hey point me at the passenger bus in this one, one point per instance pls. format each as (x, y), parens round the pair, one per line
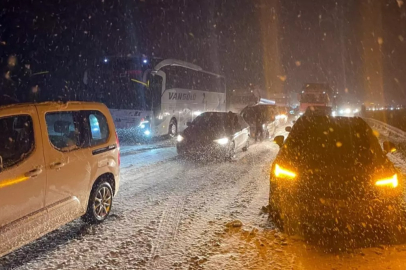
(154, 99)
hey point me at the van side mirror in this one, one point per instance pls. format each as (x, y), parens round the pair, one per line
(188, 124)
(388, 147)
(288, 129)
(279, 140)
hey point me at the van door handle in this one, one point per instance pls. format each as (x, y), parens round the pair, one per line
(33, 173)
(57, 165)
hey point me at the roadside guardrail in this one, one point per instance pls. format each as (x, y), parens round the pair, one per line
(387, 130)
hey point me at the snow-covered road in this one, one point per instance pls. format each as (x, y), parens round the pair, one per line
(173, 214)
(166, 215)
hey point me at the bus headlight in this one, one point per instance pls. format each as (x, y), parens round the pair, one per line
(222, 141)
(142, 124)
(147, 132)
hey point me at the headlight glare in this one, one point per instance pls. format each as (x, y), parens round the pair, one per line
(179, 138)
(222, 141)
(283, 173)
(388, 182)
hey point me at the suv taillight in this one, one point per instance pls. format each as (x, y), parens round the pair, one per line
(118, 147)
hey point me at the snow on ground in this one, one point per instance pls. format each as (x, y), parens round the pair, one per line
(258, 245)
(175, 214)
(164, 217)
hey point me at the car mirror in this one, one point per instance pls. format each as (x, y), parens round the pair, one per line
(188, 124)
(288, 129)
(1, 163)
(279, 140)
(389, 147)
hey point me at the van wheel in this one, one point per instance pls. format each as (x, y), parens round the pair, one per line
(173, 128)
(100, 202)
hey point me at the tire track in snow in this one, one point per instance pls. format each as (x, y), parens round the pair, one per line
(167, 231)
(187, 203)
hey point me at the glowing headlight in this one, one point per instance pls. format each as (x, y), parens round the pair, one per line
(283, 173)
(280, 116)
(147, 132)
(334, 113)
(222, 141)
(390, 182)
(179, 138)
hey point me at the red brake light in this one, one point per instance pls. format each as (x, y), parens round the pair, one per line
(118, 147)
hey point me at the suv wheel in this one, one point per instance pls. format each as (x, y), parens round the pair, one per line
(275, 215)
(231, 151)
(173, 128)
(100, 203)
(245, 148)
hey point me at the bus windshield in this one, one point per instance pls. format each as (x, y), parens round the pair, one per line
(118, 83)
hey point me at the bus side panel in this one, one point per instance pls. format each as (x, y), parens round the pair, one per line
(127, 119)
(184, 105)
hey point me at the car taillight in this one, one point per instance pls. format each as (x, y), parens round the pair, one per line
(118, 148)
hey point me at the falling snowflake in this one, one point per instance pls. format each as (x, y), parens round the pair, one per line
(282, 77)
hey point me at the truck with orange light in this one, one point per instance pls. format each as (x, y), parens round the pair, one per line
(314, 95)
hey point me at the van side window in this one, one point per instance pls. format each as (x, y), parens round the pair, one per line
(16, 140)
(63, 130)
(99, 128)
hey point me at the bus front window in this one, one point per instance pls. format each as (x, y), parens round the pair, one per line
(153, 93)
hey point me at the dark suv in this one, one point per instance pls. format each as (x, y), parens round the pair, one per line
(331, 171)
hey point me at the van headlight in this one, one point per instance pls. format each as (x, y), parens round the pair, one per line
(222, 141)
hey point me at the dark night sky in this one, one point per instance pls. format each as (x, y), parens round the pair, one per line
(224, 36)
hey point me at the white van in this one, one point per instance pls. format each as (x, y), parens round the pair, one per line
(58, 162)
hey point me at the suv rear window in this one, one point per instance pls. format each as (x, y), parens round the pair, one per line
(99, 129)
(322, 140)
(71, 130)
(64, 130)
(16, 139)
